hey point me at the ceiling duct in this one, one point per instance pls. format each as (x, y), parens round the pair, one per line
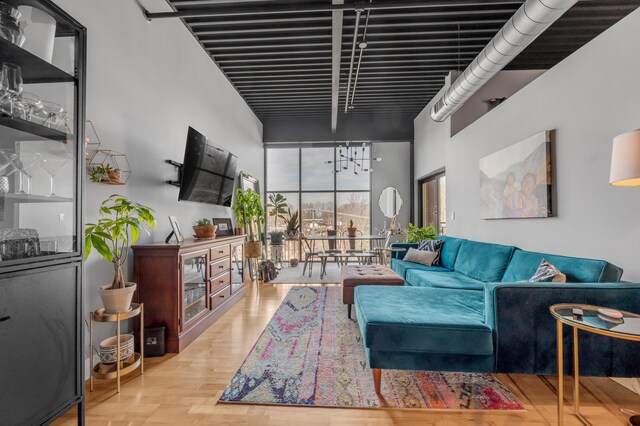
(531, 20)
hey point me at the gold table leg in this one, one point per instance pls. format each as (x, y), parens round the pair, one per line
(560, 376)
(118, 355)
(576, 374)
(91, 353)
(141, 338)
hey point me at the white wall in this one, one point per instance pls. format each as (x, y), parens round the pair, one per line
(146, 83)
(589, 98)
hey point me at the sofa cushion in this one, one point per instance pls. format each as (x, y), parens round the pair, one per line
(423, 257)
(484, 261)
(454, 280)
(525, 263)
(547, 273)
(402, 266)
(449, 250)
(423, 319)
(431, 245)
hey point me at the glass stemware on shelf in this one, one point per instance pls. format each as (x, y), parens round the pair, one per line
(53, 114)
(53, 166)
(28, 105)
(27, 164)
(10, 86)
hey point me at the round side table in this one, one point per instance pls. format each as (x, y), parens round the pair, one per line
(587, 318)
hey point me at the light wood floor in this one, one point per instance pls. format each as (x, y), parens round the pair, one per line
(183, 389)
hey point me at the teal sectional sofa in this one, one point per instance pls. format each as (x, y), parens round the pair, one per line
(475, 312)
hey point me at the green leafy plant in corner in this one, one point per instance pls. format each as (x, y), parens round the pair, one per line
(415, 234)
(204, 222)
(278, 207)
(247, 206)
(118, 227)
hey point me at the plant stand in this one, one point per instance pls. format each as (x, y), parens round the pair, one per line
(121, 367)
(276, 254)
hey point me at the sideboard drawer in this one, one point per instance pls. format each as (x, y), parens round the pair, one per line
(220, 297)
(220, 281)
(219, 266)
(219, 252)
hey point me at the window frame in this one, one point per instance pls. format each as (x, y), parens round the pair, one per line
(335, 191)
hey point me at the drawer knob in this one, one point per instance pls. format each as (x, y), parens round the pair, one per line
(5, 318)
(221, 251)
(220, 266)
(221, 281)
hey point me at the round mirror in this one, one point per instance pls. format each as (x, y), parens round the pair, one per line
(390, 202)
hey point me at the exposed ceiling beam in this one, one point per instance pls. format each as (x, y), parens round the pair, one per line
(337, 17)
(251, 8)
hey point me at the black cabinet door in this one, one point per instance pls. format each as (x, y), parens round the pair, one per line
(40, 350)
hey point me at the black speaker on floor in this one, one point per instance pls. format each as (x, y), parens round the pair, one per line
(154, 341)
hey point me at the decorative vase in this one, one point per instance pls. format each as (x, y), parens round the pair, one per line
(115, 176)
(4, 184)
(332, 243)
(119, 299)
(205, 231)
(253, 249)
(239, 231)
(351, 233)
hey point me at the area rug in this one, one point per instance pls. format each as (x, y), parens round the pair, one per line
(293, 275)
(311, 354)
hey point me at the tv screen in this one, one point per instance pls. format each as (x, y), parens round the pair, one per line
(208, 171)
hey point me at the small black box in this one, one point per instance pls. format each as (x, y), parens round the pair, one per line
(154, 341)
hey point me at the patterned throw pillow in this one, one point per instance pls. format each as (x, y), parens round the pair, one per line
(432, 245)
(423, 257)
(548, 273)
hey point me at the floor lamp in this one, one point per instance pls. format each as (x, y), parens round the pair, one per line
(625, 171)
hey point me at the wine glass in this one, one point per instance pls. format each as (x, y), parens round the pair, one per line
(53, 112)
(53, 166)
(27, 163)
(10, 83)
(28, 104)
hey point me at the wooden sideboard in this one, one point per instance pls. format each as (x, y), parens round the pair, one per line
(186, 287)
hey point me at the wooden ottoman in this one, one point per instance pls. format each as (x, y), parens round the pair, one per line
(355, 275)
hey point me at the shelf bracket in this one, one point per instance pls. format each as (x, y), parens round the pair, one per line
(179, 166)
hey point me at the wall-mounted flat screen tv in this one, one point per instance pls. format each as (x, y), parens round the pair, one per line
(208, 171)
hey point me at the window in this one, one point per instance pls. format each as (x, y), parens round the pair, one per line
(433, 202)
(325, 200)
(282, 173)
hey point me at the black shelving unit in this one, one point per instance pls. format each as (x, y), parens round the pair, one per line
(41, 309)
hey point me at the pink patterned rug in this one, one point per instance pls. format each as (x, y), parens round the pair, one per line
(312, 354)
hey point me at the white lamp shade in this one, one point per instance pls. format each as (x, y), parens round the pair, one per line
(625, 159)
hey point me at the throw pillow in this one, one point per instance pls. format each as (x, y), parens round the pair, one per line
(548, 273)
(423, 257)
(432, 245)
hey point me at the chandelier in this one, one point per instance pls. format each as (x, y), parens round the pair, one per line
(354, 158)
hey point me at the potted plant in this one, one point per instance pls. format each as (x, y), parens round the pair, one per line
(292, 224)
(276, 237)
(118, 227)
(277, 208)
(204, 228)
(247, 206)
(351, 233)
(415, 234)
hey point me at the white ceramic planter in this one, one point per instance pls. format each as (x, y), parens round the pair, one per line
(118, 300)
(39, 31)
(108, 351)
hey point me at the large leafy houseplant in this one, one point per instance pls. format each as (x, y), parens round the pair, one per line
(415, 234)
(247, 206)
(118, 227)
(277, 208)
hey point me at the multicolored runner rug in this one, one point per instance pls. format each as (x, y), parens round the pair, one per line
(312, 354)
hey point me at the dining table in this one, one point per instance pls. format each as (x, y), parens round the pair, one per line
(311, 240)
